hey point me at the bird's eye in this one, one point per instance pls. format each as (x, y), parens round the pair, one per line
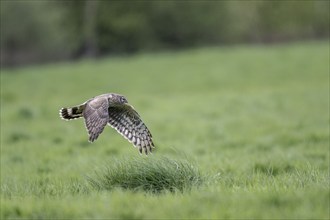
(123, 99)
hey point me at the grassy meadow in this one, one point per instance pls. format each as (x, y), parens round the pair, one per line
(240, 132)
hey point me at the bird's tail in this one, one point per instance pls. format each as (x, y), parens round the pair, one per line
(72, 113)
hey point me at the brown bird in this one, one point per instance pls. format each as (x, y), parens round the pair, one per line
(112, 109)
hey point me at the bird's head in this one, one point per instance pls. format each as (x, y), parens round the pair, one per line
(117, 99)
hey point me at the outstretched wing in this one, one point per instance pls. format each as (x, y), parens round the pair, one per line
(129, 124)
(96, 116)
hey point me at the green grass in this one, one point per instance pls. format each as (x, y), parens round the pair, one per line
(248, 127)
(150, 175)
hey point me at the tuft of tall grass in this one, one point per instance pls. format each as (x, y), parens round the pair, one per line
(149, 174)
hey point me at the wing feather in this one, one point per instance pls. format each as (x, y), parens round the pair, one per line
(96, 117)
(128, 123)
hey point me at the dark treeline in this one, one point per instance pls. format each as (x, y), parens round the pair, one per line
(38, 31)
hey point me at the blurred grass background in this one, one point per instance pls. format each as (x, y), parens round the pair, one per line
(238, 90)
(254, 119)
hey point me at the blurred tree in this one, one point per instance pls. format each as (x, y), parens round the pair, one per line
(90, 32)
(31, 31)
(37, 31)
(184, 24)
(124, 27)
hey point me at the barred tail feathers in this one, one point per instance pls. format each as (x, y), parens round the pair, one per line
(72, 113)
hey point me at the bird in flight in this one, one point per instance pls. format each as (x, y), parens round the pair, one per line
(114, 110)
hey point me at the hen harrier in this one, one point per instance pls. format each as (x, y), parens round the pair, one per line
(112, 109)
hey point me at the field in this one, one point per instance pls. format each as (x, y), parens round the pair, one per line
(240, 132)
